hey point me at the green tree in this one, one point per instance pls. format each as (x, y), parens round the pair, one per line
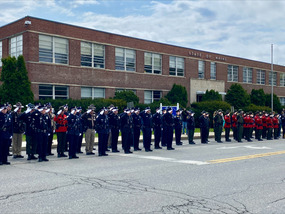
(257, 97)
(277, 107)
(237, 96)
(178, 94)
(16, 85)
(212, 95)
(127, 95)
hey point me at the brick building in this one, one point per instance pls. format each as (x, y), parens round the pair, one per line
(66, 61)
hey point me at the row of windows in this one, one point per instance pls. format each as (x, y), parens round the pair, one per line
(282, 101)
(62, 92)
(0, 53)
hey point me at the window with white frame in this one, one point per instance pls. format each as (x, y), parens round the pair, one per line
(16, 46)
(151, 96)
(213, 71)
(232, 73)
(122, 89)
(125, 59)
(282, 79)
(260, 77)
(53, 92)
(0, 53)
(282, 100)
(201, 69)
(92, 55)
(152, 63)
(247, 75)
(53, 49)
(92, 92)
(176, 66)
(273, 78)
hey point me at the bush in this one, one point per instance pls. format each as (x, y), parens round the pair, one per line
(253, 108)
(127, 95)
(237, 96)
(178, 94)
(212, 95)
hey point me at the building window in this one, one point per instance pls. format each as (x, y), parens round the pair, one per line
(232, 73)
(122, 89)
(125, 59)
(260, 78)
(53, 92)
(201, 69)
(53, 49)
(0, 53)
(152, 63)
(151, 96)
(282, 79)
(274, 78)
(176, 66)
(16, 46)
(92, 55)
(213, 71)
(282, 100)
(89, 92)
(247, 75)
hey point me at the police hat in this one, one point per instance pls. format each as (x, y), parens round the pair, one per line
(42, 107)
(91, 107)
(169, 109)
(147, 109)
(30, 105)
(203, 112)
(227, 112)
(2, 107)
(18, 105)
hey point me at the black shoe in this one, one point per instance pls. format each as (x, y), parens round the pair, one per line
(94, 148)
(105, 154)
(29, 157)
(45, 159)
(80, 152)
(107, 150)
(40, 160)
(20, 156)
(75, 157)
(34, 157)
(179, 144)
(240, 141)
(170, 149)
(9, 154)
(50, 154)
(115, 151)
(260, 140)
(90, 153)
(70, 157)
(148, 150)
(158, 147)
(228, 141)
(192, 143)
(15, 156)
(6, 163)
(249, 140)
(220, 141)
(1, 163)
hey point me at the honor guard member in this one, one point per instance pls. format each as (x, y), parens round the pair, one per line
(163, 134)
(67, 113)
(40, 127)
(6, 132)
(203, 127)
(168, 119)
(227, 126)
(283, 122)
(256, 116)
(114, 123)
(61, 129)
(264, 130)
(234, 124)
(81, 130)
(191, 127)
(9, 114)
(51, 122)
(18, 130)
(126, 129)
(102, 124)
(178, 127)
(110, 114)
(275, 126)
(251, 124)
(89, 119)
(269, 126)
(73, 132)
(246, 127)
(258, 126)
(31, 143)
(218, 119)
(137, 123)
(157, 125)
(207, 126)
(146, 127)
(239, 126)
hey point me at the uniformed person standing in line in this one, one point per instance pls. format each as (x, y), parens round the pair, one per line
(207, 126)
(276, 125)
(89, 119)
(239, 126)
(283, 122)
(258, 126)
(146, 127)
(9, 114)
(163, 133)
(227, 126)
(73, 133)
(18, 130)
(51, 116)
(234, 124)
(219, 125)
(157, 124)
(61, 129)
(264, 130)
(137, 123)
(269, 126)
(6, 132)
(168, 119)
(114, 122)
(110, 115)
(102, 124)
(126, 130)
(178, 127)
(81, 130)
(190, 126)
(203, 127)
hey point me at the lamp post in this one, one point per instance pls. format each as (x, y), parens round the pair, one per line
(272, 77)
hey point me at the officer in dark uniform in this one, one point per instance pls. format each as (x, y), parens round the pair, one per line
(146, 127)
(102, 123)
(114, 122)
(239, 126)
(190, 126)
(178, 127)
(203, 127)
(168, 119)
(137, 123)
(6, 132)
(163, 134)
(40, 127)
(81, 129)
(157, 125)
(73, 133)
(126, 129)
(218, 123)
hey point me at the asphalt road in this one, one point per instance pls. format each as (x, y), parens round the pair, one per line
(214, 178)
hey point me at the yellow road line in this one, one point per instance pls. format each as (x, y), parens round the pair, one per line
(246, 157)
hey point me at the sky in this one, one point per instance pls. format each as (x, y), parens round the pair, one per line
(240, 28)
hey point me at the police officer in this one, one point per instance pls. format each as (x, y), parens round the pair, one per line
(51, 124)
(146, 127)
(239, 126)
(178, 127)
(102, 123)
(157, 125)
(73, 133)
(203, 127)
(89, 119)
(114, 122)
(163, 133)
(137, 123)
(168, 119)
(190, 126)
(81, 129)
(218, 119)
(126, 130)
(6, 133)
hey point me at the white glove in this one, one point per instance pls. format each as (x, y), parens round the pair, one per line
(48, 134)
(28, 110)
(80, 134)
(72, 112)
(89, 111)
(59, 112)
(16, 109)
(11, 137)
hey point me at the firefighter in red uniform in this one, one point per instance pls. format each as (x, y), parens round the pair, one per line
(246, 127)
(234, 124)
(269, 126)
(61, 129)
(251, 124)
(276, 126)
(227, 126)
(257, 116)
(258, 127)
(264, 130)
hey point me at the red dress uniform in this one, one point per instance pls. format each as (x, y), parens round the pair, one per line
(61, 123)
(269, 122)
(259, 127)
(61, 129)
(276, 127)
(234, 120)
(227, 121)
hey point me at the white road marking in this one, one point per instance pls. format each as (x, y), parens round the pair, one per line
(248, 147)
(172, 160)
